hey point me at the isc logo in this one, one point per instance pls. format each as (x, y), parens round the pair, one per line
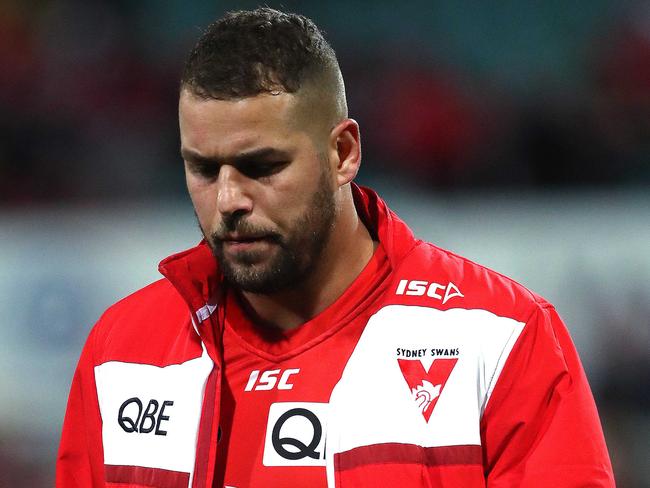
(431, 289)
(269, 379)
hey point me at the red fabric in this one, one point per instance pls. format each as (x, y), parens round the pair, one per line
(411, 475)
(207, 429)
(138, 475)
(407, 454)
(540, 427)
(409, 465)
(80, 462)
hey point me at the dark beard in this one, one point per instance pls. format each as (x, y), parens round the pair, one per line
(297, 254)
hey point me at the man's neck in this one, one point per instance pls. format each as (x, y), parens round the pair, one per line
(350, 248)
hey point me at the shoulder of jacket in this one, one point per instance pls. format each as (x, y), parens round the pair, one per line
(157, 309)
(147, 300)
(439, 278)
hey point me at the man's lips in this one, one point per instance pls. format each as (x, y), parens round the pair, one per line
(244, 238)
(246, 243)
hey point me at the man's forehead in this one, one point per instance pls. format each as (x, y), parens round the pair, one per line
(265, 107)
(242, 122)
(212, 126)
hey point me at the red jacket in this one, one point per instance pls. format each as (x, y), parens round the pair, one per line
(461, 377)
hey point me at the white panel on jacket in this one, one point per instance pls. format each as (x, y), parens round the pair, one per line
(150, 414)
(420, 376)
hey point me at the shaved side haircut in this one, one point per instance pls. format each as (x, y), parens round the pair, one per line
(248, 53)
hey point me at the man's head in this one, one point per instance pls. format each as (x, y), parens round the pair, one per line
(268, 148)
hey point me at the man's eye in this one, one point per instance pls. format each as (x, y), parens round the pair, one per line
(260, 170)
(204, 170)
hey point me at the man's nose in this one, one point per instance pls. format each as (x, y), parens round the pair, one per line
(232, 192)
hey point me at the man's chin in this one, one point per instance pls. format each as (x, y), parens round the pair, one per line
(260, 271)
(255, 277)
(263, 279)
(254, 284)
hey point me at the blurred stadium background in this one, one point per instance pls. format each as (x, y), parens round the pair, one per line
(516, 133)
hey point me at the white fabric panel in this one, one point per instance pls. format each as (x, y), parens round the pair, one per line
(183, 384)
(372, 402)
(307, 428)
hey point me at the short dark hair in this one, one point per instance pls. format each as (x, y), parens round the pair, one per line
(246, 53)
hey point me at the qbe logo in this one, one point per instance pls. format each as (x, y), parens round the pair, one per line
(295, 434)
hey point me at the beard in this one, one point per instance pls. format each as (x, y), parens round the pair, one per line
(287, 259)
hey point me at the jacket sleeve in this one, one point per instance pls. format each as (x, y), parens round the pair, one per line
(540, 427)
(80, 460)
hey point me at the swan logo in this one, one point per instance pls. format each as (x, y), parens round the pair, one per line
(426, 385)
(424, 394)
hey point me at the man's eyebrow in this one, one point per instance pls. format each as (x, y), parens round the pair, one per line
(264, 153)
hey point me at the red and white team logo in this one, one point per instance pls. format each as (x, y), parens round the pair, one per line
(426, 385)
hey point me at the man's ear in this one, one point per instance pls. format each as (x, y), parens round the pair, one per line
(345, 150)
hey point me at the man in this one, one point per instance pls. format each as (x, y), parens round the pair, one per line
(310, 339)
